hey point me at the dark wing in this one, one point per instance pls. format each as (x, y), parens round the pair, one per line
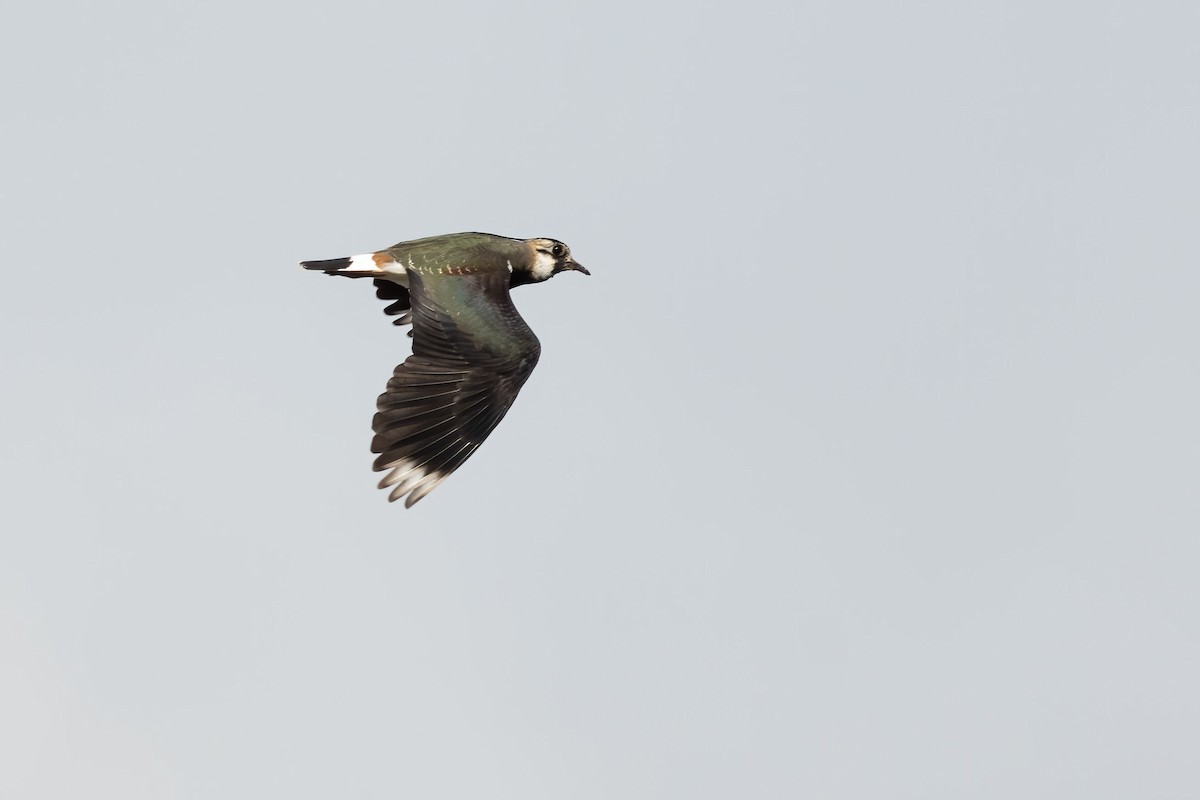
(472, 352)
(390, 290)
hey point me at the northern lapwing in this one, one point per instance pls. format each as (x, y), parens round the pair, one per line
(471, 351)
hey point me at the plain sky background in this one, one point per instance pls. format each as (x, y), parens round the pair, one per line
(866, 464)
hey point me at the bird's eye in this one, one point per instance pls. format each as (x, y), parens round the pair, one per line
(557, 250)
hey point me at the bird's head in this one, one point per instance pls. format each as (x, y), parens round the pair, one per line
(551, 257)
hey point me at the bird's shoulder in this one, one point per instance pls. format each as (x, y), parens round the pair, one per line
(475, 312)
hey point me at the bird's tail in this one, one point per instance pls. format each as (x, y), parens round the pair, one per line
(367, 265)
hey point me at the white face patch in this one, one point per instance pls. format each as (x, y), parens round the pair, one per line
(543, 265)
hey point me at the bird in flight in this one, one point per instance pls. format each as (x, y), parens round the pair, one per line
(471, 352)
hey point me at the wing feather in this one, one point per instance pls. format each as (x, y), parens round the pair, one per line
(472, 353)
(390, 290)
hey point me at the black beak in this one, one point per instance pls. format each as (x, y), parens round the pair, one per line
(575, 265)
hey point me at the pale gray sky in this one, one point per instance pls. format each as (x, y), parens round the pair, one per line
(864, 466)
